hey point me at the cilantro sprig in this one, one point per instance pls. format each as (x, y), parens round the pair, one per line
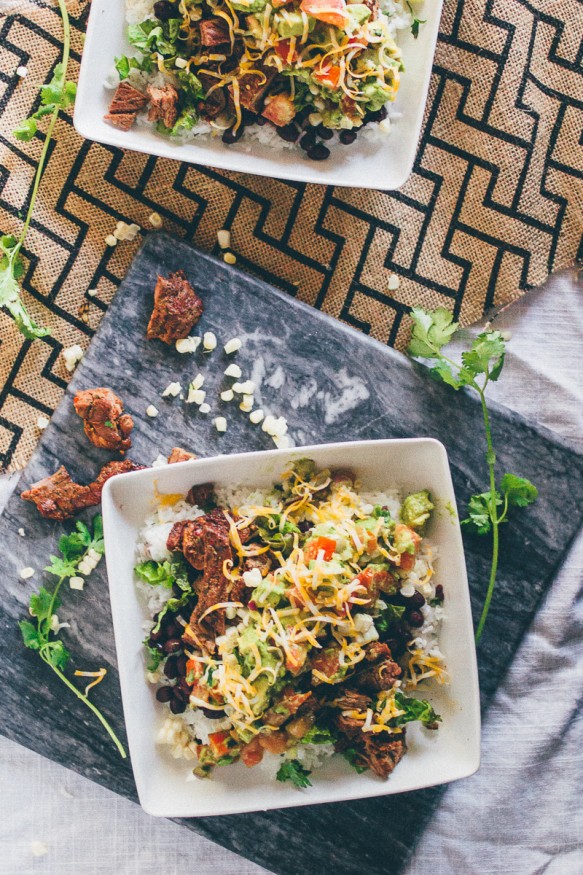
(293, 771)
(481, 364)
(41, 633)
(416, 23)
(58, 94)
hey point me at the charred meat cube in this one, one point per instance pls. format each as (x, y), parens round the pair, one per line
(125, 105)
(58, 497)
(280, 110)
(214, 32)
(104, 422)
(163, 104)
(253, 87)
(177, 308)
(203, 495)
(177, 454)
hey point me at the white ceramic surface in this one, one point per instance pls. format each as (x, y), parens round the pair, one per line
(384, 165)
(433, 757)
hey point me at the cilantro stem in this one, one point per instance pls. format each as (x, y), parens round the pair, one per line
(491, 460)
(90, 705)
(49, 133)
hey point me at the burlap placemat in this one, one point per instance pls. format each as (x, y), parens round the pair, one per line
(492, 207)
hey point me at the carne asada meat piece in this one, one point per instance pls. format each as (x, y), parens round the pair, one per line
(214, 32)
(177, 454)
(382, 752)
(125, 105)
(177, 308)
(352, 700)
(381, 672)
(163, 102)
(280, 110)
(58, 497)
(253, 86)
(202, 495)
(104, 422)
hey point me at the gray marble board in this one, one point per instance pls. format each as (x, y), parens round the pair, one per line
(332, 383)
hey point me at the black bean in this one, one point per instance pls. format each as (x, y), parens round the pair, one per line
(232, 136)
(324, 133)
(249, 118)
(181, 665)
(304, 526)
(170, 669)
(177, 707)
(176, 590)
(179, 694)
(289, 133)
(173, 630)
(156, 638)
(319, 152)
(164, 694)
(347, 137)
(415, 618)
(415, 601)
(165, 10)
(212, 715)
(439, 594)
(183, 685)
(308, 140)
(377, 116)
(171, 646)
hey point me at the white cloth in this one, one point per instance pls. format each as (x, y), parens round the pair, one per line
(520, 815)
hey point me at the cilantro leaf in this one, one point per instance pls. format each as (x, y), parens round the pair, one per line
(40, 604)
(415, 709)
(26, 130)
(479, 519)
(30, 635)
(442, 371)
(318, 735)
(58, 93)
(292, 770)
(519, 491)
(486, 355)
(61, 567)
(56, 654)
(431, 331)
(155, 656)
(415, 26)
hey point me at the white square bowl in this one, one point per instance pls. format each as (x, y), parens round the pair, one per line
(433, 757)
(383, 165)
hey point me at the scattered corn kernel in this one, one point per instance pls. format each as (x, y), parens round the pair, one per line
(111, 240)
(246, 404)
(151, 410)
(281, 442)
(385, 125)
(205, 408)
(227, 395)
(209, 340)
(220, 423)
(224, 238)
(42, 422)
(233, 371)
(91, 292)
(172, 390)
(38, 849)
(155, 220)
(394, 282)
(256, 416)
(248, 387)
(197, 382)
(196, 396)
(22, 533)
(233, 345)
(27, 572)
(230, 258)
(187, 344)
(76, 583)
(238, 388)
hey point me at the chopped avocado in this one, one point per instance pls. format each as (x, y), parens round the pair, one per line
(404, 540)
(269, 592)
(292, 24)
(416, 509)
(336, 119)
(376, 94)
(251, 6)
(359, 12)
(247, 640)
(304, 469)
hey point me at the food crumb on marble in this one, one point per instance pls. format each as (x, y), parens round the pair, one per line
(233, 345)
(151, 411)
(26, 573)
(38, 849)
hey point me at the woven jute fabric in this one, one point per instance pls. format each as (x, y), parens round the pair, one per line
(494, 203)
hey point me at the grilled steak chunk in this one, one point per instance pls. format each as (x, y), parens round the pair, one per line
(125, 105)
(58, 497)
(253, 86)
(177, 454)
(177, 308)
(214, 32)
(163, 102)
(104, 422)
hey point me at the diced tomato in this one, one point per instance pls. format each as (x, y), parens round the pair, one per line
(295, 658)
(274, 742)
(280, 110)
(252, 753)
(327, 545)
(327, 661)
(408, 559)
(194, 667)
(219, 742)
(376, 580)
(278, 3)
(282, 48)
(329, 76)
(293, 701)
(331, 11)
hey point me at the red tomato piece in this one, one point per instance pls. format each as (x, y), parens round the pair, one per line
(252, 753)
(329, 76)
(282, 48)
(330, 11)
(311, 550)
(219, 742)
